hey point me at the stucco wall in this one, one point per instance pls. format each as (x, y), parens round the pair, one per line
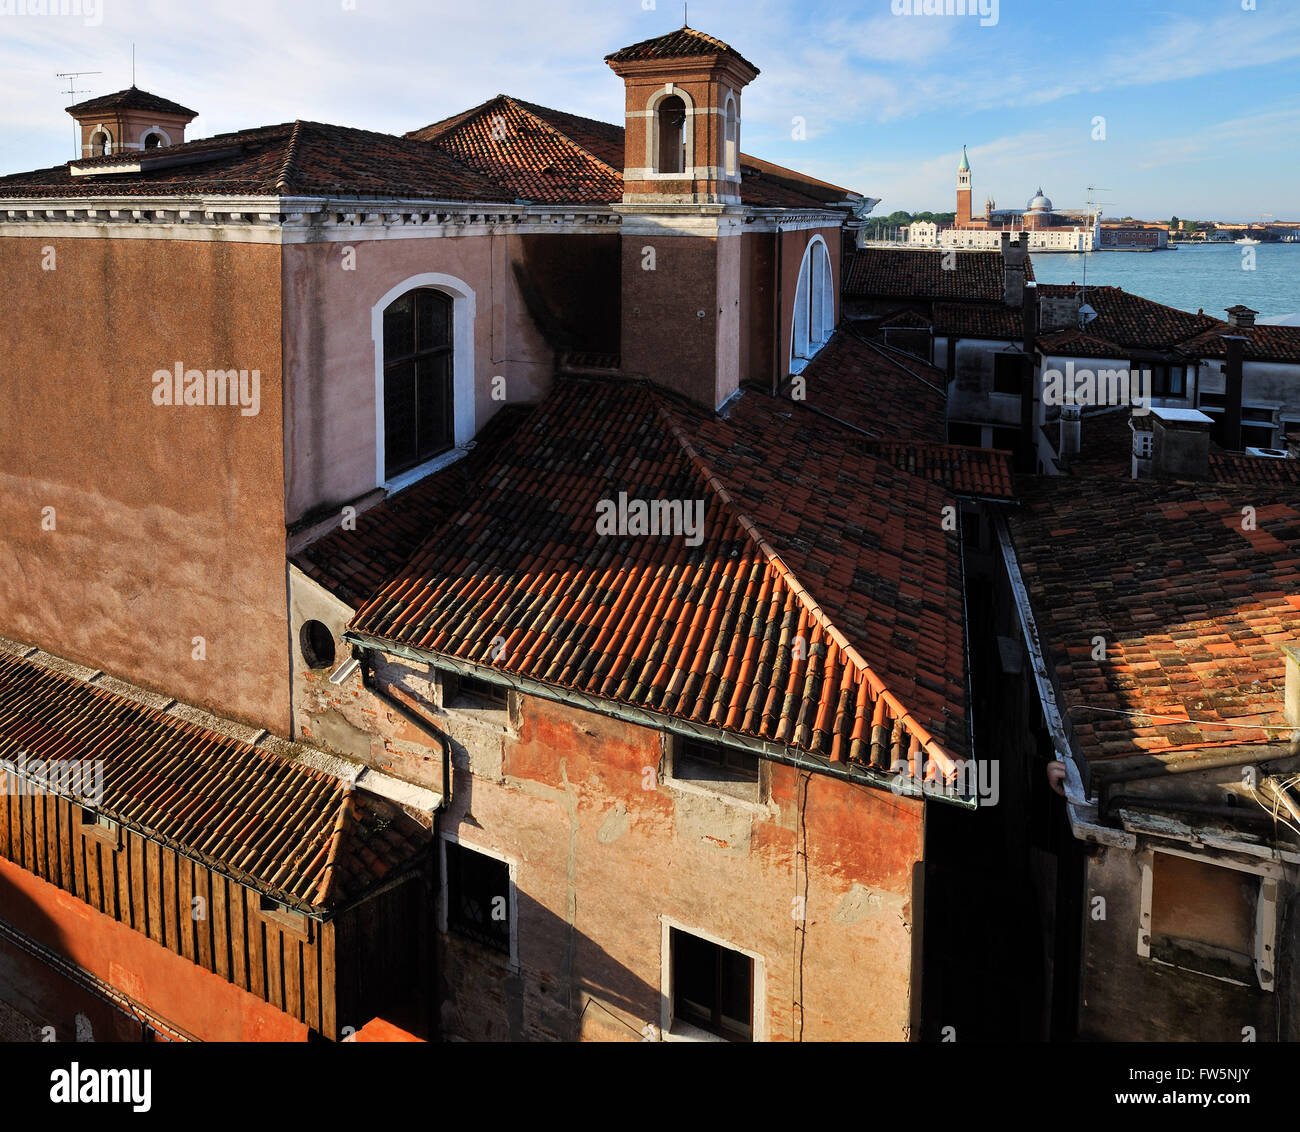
(604, 846)
(330, 354)
(167, 521)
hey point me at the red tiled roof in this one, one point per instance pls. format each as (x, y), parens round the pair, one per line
(981, 472)
(1263, 343)
(918, 273)
(133, 98)
(510, 143)
(978, 320)
(548, 155)
(353, 564)
(907, 319)
(1193, 608)
(874, 388)
(683, 43)
(276, 825)
(501, 151)
(1132, 322)
(1237, 467)
(1105, 444)
(703, 634)
(1077, 343)
(295, 158)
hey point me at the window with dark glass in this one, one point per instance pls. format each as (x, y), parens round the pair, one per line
(671, 116)
(1166, 381)
(713, 987)
(1007, 371)
(418, 408)
(478, 897)
(727, 769)
(470, 691)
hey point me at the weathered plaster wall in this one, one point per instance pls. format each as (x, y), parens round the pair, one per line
(167, 521)
(604, 847)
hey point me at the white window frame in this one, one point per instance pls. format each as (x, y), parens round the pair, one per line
(731, 139)
(100, 151)
(163, 135)
(672, 1030)
(513, 901)
(1266, 901)
(462, 378)
(813, 321)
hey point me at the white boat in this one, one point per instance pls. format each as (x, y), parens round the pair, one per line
(1245, 240)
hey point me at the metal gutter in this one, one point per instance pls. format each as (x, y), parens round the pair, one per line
(643, 717)
(1082, 813)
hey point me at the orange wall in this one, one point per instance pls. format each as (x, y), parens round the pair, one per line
(169, 521)
(191, 998)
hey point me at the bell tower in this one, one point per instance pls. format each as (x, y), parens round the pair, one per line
(682, 215)
(963, 191)
(683, 118)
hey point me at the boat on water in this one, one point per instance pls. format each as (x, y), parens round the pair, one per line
(1245, 240)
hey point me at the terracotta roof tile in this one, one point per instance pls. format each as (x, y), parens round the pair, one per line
(685, 42)
(1132, 322)
(918, 273)
(703, 634)
(890, 395)
(299, 834)
(133, 98)
(1193, 608)
(353, 564)
(978, 320)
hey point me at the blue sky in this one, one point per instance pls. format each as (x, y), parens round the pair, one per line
(1201, 99)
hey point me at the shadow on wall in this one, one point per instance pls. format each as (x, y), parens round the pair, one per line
(566, 987)
(39, 1002)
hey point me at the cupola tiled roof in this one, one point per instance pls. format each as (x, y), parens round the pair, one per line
(683, 43)
(846, 554)
(299, 834)
(133, 98)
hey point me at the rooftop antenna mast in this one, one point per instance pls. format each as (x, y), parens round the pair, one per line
(1092, 220)
(72, 93)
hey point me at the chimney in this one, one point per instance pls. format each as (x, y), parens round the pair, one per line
(1241, 316)
(1232, 392)
(1013, 268)
(1071, 430)
(1180, 443)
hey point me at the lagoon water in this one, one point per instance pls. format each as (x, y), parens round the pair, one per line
(1208, 277)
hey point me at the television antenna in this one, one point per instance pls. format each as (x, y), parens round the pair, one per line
(72, 92)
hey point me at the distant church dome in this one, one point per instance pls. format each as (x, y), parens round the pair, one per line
(1039, 204)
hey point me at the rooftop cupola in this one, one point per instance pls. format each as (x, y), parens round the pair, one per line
(131, 119)
(683, 118)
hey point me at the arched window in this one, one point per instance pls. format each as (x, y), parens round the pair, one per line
(671, 120)
(814, 305)
(732, 138)
(419, 413)
(101, 144)
(152, 141)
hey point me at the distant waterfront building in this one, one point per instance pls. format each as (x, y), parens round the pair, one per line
(1049, 229)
